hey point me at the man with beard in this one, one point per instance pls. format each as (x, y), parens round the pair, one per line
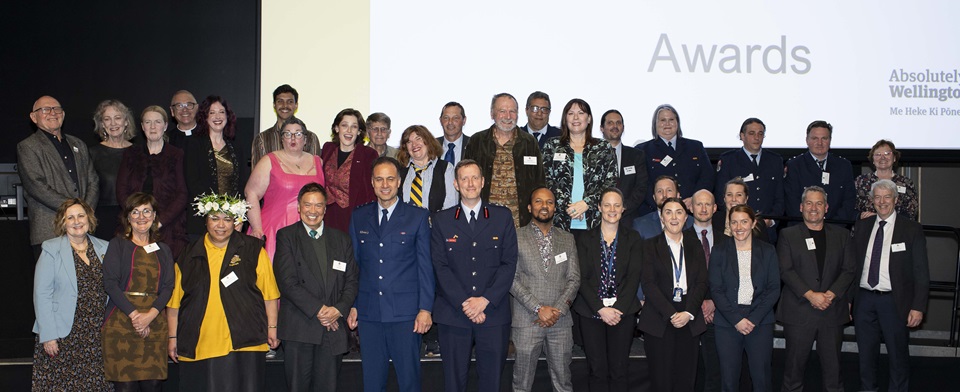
(546, 282)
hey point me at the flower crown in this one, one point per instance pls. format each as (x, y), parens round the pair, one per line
(213, 203)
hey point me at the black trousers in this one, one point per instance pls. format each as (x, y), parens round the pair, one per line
(237, 371)
(310, 367)
(672, 359)
(710, 376)
(608, 352)
(800, 340)
(875, 315)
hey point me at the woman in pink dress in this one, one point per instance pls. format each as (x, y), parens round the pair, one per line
(277, 181)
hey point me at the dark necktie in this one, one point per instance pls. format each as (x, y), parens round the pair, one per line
(473, 221)
(449, 157)
(753, 157)
(383, 220)
(416, 189)
(670, 144)
(537, 135)
(313, 234)
(706, 245)
(873, 278)
(821, 163)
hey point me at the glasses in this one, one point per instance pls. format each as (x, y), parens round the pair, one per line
(291, 135)
(184, 105)
(380, 130)
(146, 213)
(884, 154)
(538, 109)
(48, 109)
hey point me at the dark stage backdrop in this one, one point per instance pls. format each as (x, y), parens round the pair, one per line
(138, 52)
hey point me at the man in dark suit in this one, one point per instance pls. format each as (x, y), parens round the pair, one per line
(317, 275)
(453, 141)
(822, 168)
(53, 167)
(817, 267)
(391, 243)
(183, 115)
(704, 208)
(894, 282)
(631, 163)
(538, 118)
(649, 225)
(475, 257)
(761, 169)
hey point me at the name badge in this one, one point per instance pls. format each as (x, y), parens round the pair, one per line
(666, 160)
(898, 247)
(608, 302)
(901, 189)
(677, 294)
(529, 160)
(825, 178)
(339, 266)
(560, 258)
(560, 156)
(810, 244)
(229, 279)
(151, 248)
(748, 178)
(76, 149)
(629, 170)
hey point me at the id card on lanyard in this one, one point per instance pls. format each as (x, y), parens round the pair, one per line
(677, 272)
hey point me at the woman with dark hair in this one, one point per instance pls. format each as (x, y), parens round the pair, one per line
(212, 164)
(277, 180)
(578, 168)
(138, 276)
(156, 167)
(115, 125)
(347, 168)
(744, 285)
(884, 158)
(68, 300)
(674, 281)
(427, 180)
(607, 304)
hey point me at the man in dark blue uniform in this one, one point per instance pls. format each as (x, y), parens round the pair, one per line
(760, 169)
(822, 168)
(475, 259)
(671, 154)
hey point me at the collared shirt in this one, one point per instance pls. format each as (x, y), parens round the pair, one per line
(884, 284)
(675, 250)
(426, 176)
(619, 150)
(699, 229)
(457, 148)
(759, 153)
(824, 160)
(668, 142)
(389, 209)
(503, 182)
(544, 245)
(319, 230)
(65, 150)
(542, 131)
(467, 211)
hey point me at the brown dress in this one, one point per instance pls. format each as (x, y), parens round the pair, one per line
(79, 364)
(127, 356)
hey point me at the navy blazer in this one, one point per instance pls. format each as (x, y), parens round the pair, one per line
(649, 225)
(725, 280)
(474, 263)
(396, 278)
(909, 270)
(799, 272)
(658, 277)
(55, 287)
(689, 164)
(802, 171)
(633, 184)
(552, 131)
(766, 179)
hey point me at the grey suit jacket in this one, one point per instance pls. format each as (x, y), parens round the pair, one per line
(303, 292)
(532, 285)
(55, 287)
(799, 272)
(45, 178)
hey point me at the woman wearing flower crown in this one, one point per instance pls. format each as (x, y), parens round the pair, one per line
(223, 312)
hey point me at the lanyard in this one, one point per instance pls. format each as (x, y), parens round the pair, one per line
(677, 267)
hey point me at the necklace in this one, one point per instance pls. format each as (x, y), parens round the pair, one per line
(79, 249)
(297, 159)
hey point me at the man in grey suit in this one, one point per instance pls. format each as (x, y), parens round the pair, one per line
(817, 266)
(317, 275)
(53, 167)
(546, 282)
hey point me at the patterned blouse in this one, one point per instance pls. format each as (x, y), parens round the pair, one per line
(599, 172)
(907, 198)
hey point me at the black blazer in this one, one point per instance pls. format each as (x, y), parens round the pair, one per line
(909, 270)
(633, 185)
(657, 280)
(725, 279)
(297, 270)
(799, 273)
(628, 266)
(199, 174)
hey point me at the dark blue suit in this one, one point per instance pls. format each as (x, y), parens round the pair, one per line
(552, 131)
(689, 164)
(479, 262)
(766, 179)
(724, 283)
(396, 282)
(802, 171)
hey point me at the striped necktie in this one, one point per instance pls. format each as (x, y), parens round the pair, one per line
(416, 189)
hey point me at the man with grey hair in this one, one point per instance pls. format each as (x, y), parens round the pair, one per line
(538, 118)
(894, 282)
(509, 158)
(378, 124)
(817, 266)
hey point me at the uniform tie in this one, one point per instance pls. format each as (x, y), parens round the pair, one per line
(383, 220)
(473, 220)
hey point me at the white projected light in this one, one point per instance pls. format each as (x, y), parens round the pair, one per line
(874, 69)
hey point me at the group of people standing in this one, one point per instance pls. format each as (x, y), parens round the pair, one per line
(538, 235)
